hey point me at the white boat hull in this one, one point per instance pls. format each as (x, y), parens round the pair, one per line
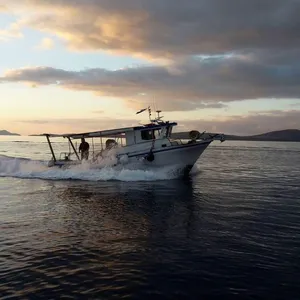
(180, 158)
(183, 157)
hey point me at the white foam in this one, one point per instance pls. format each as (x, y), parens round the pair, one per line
(195, 170)
(25, 168)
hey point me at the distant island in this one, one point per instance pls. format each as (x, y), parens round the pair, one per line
(288, 135)
(5, 132)
(43, 134)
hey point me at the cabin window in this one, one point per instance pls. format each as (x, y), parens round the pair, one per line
(156, 133)
(150, 134)
(147, 134)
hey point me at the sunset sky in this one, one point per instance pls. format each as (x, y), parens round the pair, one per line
(227, 66)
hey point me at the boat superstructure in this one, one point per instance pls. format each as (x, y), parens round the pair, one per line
(143, 145)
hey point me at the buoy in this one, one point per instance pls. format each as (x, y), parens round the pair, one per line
(150, 157)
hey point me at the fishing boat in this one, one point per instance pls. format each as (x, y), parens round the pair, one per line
(146, 145)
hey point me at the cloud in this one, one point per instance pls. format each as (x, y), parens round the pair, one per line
(38, 122)
(75, 125)
(46, 44)
(13, 31)
(295, 104)
(254, 123)
(196, 84)
(165, 28)
(216, 51)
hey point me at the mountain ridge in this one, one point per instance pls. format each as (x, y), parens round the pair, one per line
(5, 132)
(286, 135)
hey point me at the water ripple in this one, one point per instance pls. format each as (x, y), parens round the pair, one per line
(232, 229)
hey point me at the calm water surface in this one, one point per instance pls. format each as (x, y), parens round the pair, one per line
(232, 229)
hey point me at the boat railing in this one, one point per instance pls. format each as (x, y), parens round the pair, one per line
(175, 142)
(65, 155)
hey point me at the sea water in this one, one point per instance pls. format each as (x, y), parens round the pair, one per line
(231, 229)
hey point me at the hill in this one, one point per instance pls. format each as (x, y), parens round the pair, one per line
(288, 135)
(5, 132)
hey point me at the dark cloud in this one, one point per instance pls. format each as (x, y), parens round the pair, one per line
(83, 123)
(166, 28)
(253, 48)
(76, 125)
(185, 85)
(254, 123)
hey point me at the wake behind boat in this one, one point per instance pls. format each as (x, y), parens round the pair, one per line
(148, 145)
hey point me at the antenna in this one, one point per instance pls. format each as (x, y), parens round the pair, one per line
(153, 103)
(140, 111)
(149, 112)
(157, 119)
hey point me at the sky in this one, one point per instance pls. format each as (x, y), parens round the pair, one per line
(222, 66)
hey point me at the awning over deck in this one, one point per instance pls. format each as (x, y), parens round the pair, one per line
(104, 133)
(113, 133)
(120, 132)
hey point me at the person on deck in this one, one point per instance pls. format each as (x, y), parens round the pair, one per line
(84, 149)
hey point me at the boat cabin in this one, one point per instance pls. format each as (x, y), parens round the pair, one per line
(106, 139)
(148, 132)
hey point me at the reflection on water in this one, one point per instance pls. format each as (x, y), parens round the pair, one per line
(167, 239)
(125, 211)
(232, 229)
(98, 234)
